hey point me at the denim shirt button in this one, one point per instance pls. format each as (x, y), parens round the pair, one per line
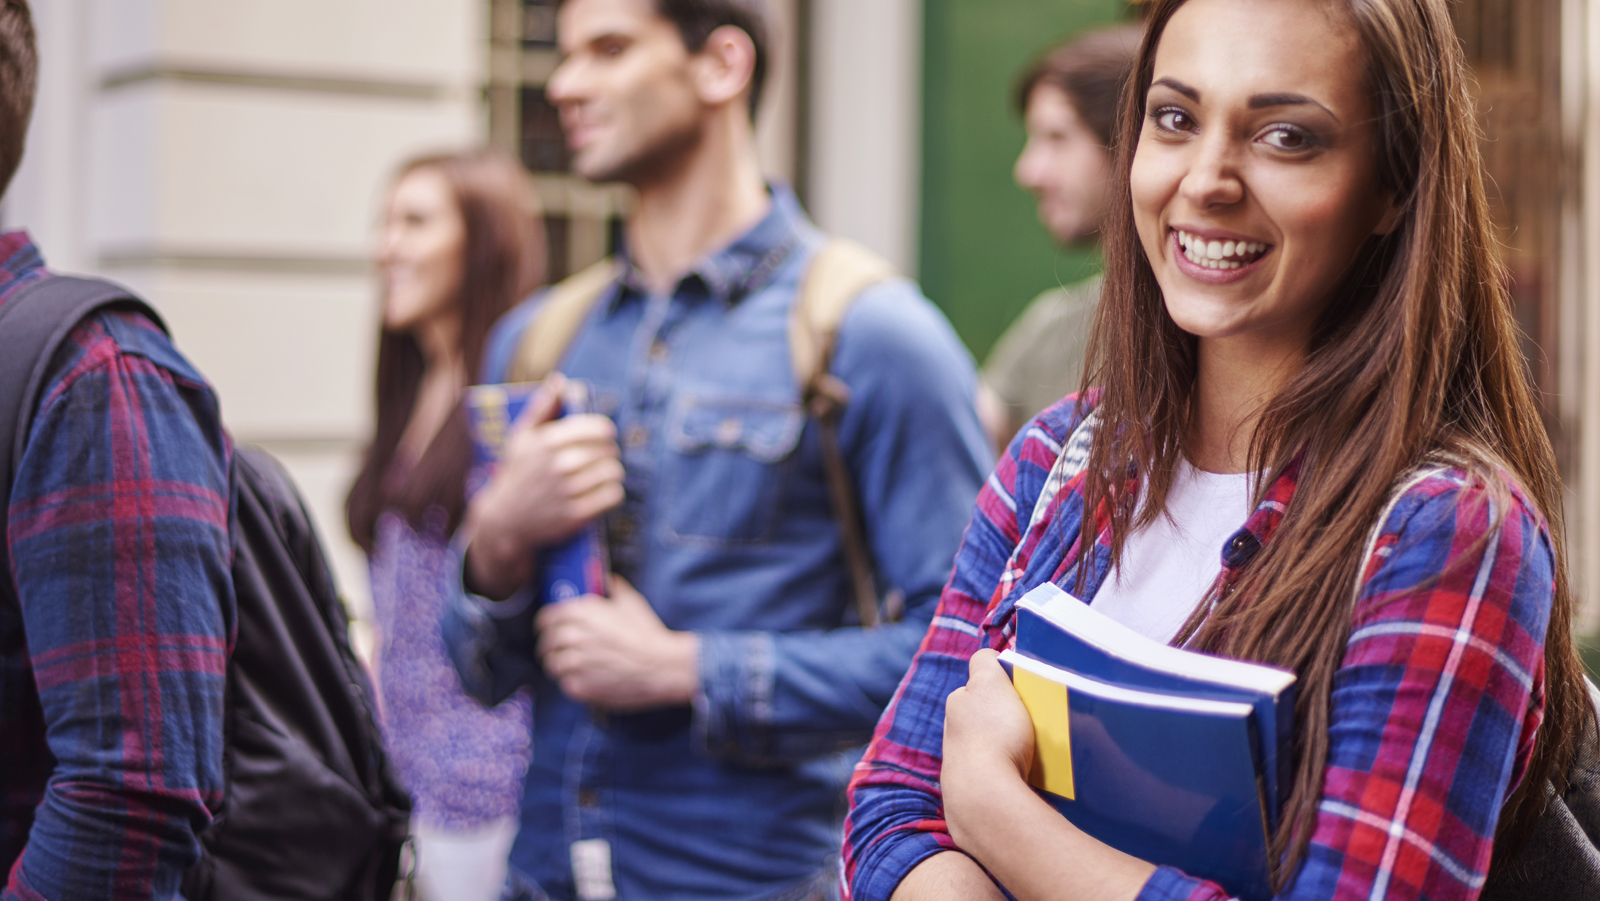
(588, 797)
(728, 431)
(638, 436)
(659, 351)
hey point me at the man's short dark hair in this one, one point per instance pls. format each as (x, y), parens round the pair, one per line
(1092, 69)
(696, 19)
(19, 76)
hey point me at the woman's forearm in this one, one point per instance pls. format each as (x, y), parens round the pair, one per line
(947, 876)
(1038, 855)
(994, 816)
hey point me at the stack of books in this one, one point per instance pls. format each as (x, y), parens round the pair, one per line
(572, 568)
(1175, 757)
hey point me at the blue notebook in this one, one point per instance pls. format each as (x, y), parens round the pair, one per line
(1169, 779)
(570, 568)
(1057, 628)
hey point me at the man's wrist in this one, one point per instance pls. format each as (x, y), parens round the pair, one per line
(495, 572)
(683, 667)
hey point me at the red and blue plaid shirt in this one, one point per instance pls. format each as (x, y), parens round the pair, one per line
(1434, 707)
(112, 667)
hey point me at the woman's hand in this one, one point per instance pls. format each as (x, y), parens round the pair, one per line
(997, 819)
(988, 751)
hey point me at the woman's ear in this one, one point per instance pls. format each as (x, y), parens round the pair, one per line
(725, 67)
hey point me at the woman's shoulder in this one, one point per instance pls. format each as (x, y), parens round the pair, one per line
(1057, 424)
(1477, 495)
(1048, 453)
(1465, 522)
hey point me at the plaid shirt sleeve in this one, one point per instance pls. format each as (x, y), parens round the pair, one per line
(1434, 708)
(896, 817)
(118, 530)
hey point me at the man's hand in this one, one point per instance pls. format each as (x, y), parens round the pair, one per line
(615, 653)
(555, 476)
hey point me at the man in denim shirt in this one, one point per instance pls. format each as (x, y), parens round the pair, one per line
(692, 731)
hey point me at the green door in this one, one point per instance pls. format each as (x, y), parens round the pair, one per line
(983, 253)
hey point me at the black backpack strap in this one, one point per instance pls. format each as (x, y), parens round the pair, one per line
(33, 323)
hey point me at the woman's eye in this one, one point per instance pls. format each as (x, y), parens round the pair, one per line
(1286, 137)
(1169, 119)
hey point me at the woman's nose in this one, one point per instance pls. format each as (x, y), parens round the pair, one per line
(1213, 178)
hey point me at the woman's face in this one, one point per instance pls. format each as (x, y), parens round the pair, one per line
(419, 254)
(1254, 182)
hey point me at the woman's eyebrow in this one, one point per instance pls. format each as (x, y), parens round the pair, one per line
(1178, 86)
(1257, 101)
(1263, 101)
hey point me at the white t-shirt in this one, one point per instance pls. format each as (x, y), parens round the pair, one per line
(1168, 565)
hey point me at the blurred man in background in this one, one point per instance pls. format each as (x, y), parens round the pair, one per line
(1069, 101)
(692, 730)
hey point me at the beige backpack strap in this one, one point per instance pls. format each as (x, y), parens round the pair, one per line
(838, 273)
(565, 309)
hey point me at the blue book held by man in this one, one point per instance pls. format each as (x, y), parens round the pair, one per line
(571, 568)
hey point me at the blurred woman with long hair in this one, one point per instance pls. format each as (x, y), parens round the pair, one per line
(1312, 443)
(461, 244)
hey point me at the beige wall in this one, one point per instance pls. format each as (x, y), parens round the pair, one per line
(225, 158)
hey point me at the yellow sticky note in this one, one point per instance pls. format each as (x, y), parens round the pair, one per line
(1052, 733)
(492, 422)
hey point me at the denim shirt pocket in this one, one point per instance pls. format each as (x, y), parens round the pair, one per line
(728, 458)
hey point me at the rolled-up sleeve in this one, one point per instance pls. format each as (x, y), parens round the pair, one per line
(118, 532)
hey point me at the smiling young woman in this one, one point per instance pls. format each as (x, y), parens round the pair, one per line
(1304, 344)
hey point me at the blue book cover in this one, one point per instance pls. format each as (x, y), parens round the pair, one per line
(577, 566)
(1168, 779)
(1057, 628)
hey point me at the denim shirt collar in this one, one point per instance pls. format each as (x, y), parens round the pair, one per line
(742, 267)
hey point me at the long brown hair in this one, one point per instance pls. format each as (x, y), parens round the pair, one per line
(1421, 355)
(503, 259)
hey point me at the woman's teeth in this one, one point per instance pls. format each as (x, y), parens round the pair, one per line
(1220, 254)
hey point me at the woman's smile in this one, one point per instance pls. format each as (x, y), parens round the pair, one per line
(1217, 258)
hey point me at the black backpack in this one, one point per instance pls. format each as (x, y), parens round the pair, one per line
(312, 811)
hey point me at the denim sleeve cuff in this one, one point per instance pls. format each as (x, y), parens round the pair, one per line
(733, 709)
(1169, 884)
(490, 643)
